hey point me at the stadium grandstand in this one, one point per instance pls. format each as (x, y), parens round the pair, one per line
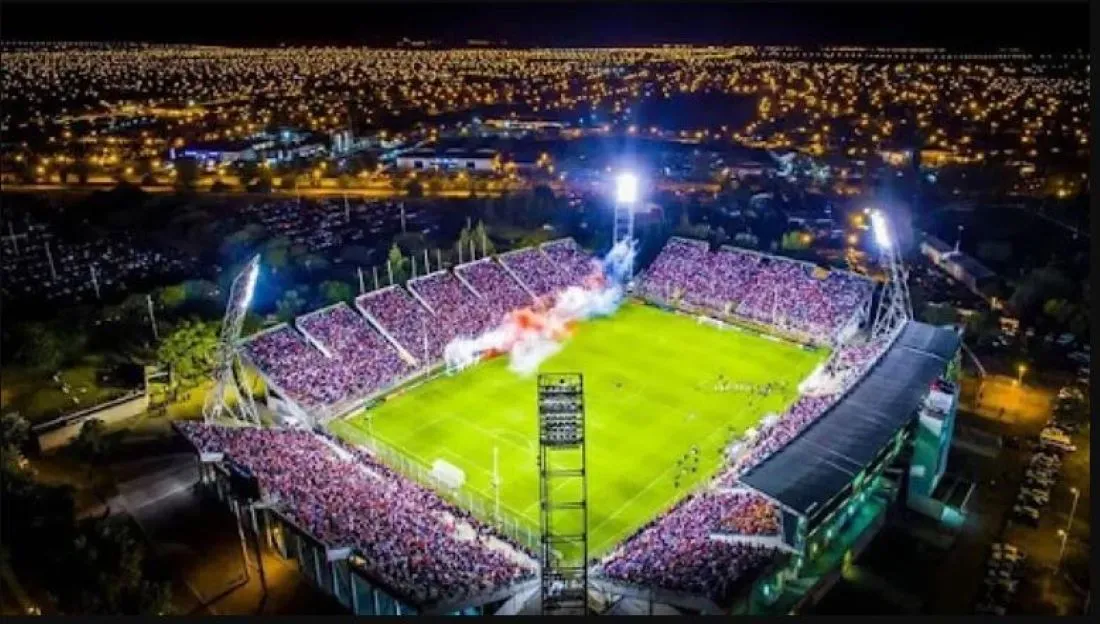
(766, 533)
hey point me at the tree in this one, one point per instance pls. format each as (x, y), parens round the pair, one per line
(746, 239)
(356, 255)
(172, 297)
(200, 289)
(289, 305)
(363, 162)
(249, 170)
(994, 251)
(14, 432)
(334, 291)
(41, 347)
(244, 238)
(463, 241)
(187, 172)
(276, 253)
(105, 573)
(92, 444)
(435, 186)
(795, 241)
(481, 237)
(261, 185)
(1056, 309)
(937, 314)
(1038, 286)
(399, 264)
(313, 262)
(92, 567)
(189, 350)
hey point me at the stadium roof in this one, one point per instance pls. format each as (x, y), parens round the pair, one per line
(817, 465)
(976, 269)
(938, 245)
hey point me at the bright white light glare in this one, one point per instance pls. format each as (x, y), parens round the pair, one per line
(881, 229)
(250, 285)
(626, 188)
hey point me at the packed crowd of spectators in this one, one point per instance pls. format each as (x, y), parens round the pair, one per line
(458, 311)
(299, 369)
(499, 291)
(677, 552)
(354, 360)
(537, 271)
(677, 272)
(406, 534)
(406, 321)
(788, 295)
(571, 260)
(750, 514)
(354, 344)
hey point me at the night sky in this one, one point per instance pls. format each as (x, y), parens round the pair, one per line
(980, 25)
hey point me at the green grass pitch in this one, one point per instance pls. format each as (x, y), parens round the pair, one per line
(650, 393)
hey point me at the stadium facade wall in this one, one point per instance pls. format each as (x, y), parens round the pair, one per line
(340, 572)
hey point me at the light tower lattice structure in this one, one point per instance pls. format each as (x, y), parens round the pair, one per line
(563, 495)
(894, 306)
(227, 366)
(626, 202)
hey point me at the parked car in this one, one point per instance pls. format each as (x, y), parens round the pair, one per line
(1039, 482)
(1026, 514)
(1052, 437)
(1069, 426)
(1050, 458)
(990, 608)
(1037, 500)
(1042, 472)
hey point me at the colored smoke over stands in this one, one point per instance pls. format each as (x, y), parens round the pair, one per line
(531, 335)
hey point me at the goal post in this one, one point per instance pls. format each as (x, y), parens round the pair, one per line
(448, 474)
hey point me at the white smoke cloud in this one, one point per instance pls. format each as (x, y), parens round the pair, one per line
(531, 337)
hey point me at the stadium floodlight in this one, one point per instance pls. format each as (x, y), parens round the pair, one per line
(881, 229)
(250, 285)
(626, 188)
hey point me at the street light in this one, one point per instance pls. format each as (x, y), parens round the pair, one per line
(1061, 551)
(1073, 508)
(1021, 369)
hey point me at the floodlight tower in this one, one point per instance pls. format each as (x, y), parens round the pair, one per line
(894, 307)
(227, 365)
(626, 202)
(563, 557)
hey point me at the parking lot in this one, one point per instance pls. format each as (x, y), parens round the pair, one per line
(1044, 499)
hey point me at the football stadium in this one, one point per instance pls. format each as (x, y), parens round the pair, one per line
(657, 427)
(747, 423)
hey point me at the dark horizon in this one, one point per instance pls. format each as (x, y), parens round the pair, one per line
(962, 26)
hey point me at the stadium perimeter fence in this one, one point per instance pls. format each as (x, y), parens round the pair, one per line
(509, 523)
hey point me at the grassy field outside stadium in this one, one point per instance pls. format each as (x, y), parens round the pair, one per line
(652, 394)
